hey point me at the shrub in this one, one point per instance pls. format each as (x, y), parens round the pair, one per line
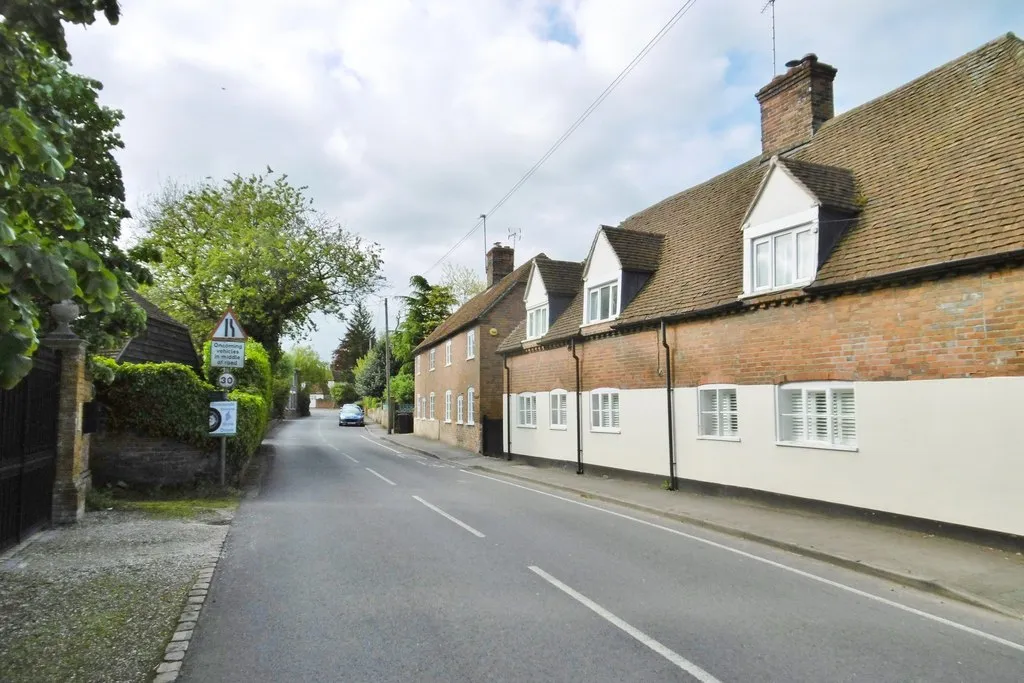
(254, 378)
(402, 388)
(252, 424)
(158, 399)
(303, 403)
(343, 392)
(282, 390)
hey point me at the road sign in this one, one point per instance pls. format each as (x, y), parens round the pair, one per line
(227, 354)
(228, 328)
(223, 418)
(226, 381)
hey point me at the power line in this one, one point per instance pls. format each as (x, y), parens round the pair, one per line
(639, 57)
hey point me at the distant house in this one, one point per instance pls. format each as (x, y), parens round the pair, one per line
(165, 340)
(840, 318)
(457, 370)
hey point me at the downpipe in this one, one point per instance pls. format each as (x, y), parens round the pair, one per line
(508, 407)
(672, 483)
(579, 413)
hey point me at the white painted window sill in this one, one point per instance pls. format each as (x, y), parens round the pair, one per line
(605, 430)
(447, 422)
(526, 426)
(709, 437)
(598, 322)
(774, 290)
(818, 445)
(560, 428)
(458, 422)
(470, 357)
(471, 424)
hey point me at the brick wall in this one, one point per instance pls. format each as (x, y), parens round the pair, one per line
(968, 326)
(503, 318)
(148, 461)
(457, 378)
(795, 104)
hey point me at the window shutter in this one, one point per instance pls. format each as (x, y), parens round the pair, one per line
(709, 412)
(562, 416)
(817, 412)
(796, 420)
(614, 410)
(730, 414)
(844, 424)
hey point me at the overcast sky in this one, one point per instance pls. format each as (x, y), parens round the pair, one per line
(409, 118)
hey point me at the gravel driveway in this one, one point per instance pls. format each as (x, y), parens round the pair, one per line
(97, 601)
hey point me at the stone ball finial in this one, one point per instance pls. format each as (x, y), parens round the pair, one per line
(63, 313)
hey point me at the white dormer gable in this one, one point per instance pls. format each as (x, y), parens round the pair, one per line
(537, 309)
(780, 234)
(602, 282)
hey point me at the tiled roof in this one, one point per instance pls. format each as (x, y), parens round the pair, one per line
(935, 169)
(561, 278)
(514, 339)
(151, 309)
(470, 311)
(639, 251)
(834, 187)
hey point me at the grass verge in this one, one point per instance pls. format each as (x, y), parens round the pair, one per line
(187, 503)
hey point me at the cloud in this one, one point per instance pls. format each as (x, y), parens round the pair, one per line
(407, 119)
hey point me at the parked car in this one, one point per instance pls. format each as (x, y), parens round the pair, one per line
(350, 414)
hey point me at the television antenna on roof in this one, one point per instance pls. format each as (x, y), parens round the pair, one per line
(771, 3)
(515, 236)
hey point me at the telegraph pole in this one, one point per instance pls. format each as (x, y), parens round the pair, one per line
(387, 366)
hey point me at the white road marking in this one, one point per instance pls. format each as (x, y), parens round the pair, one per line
(378, 443)
(450, 518)
(351, 458)
(381, 476)
(672, 656)
(778, 565)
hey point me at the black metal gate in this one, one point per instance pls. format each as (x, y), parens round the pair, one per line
(493, 437)
(28, 450)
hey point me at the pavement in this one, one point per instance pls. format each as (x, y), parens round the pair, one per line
(974, 573)
(363, 560)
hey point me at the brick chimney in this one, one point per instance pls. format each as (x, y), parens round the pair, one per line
(795, 104)
(500, 262)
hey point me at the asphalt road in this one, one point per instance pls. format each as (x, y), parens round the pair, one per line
(360, 563)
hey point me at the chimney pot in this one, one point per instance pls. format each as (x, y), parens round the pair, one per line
(795, 104)
(499, 262)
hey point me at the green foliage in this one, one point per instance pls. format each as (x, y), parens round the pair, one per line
(257, 244)
(370, 372)
(158, 399)
(357, 342)
(253, 416)
(426, 308)
(313, 371)
(462, 281)
(369, 403)
(282, 390)
(303, 403)
(101, 369)
(403, 387)
(43, 19)
(343, 392)
(255, 377)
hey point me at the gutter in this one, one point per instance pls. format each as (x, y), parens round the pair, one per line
(669, 395)
(579, 411)
(508, 406)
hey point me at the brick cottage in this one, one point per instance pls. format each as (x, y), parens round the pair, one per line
(840, 318)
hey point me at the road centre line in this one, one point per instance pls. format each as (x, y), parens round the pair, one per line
(672, 656)
(351, 458)
(778, 565)
(381, 476)
(378, 443)
(450, 518)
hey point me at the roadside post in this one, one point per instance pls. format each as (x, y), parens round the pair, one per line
(227, 352)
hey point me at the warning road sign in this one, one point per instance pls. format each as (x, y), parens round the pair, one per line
(229, 329)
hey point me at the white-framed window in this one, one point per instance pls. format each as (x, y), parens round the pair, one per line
(460, 403)
(471, 344)
(604, 410)
(718, 416)
(822, 414)
(430, 359)
(558, 401)
(527, 404)
(603, 302)
(470, 407)
(448, 406)
(431, 405)
(448, 352)
(537, 322)
(416, 362)
(423, 407)
(419, 413)
(780, 254)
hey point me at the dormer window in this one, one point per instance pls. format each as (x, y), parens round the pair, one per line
(537, 322)
(602, 302)
(784, 259)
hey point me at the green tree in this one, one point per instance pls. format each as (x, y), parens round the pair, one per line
(462, 281)
(48, 251)
(343, 392)
(313, 371)
(403, 386)
(427, 307)
(358, 339)
(257, 244)
(370, 372)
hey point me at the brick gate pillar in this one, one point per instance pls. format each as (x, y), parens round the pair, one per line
(72, 478)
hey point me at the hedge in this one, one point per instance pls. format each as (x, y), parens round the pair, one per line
(252, 425)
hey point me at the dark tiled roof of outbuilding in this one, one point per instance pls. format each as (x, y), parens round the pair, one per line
(638, 251)
(151, 309)
(478, 305)
(834, 187)
(561, 278)
(939, 163)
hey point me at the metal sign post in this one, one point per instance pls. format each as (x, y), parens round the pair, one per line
(227, 350)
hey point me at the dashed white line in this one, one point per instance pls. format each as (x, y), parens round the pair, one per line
(378, 443)
(778, 565)
(672, 656)
(351, 458)
(381, 476)
(450, 518)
